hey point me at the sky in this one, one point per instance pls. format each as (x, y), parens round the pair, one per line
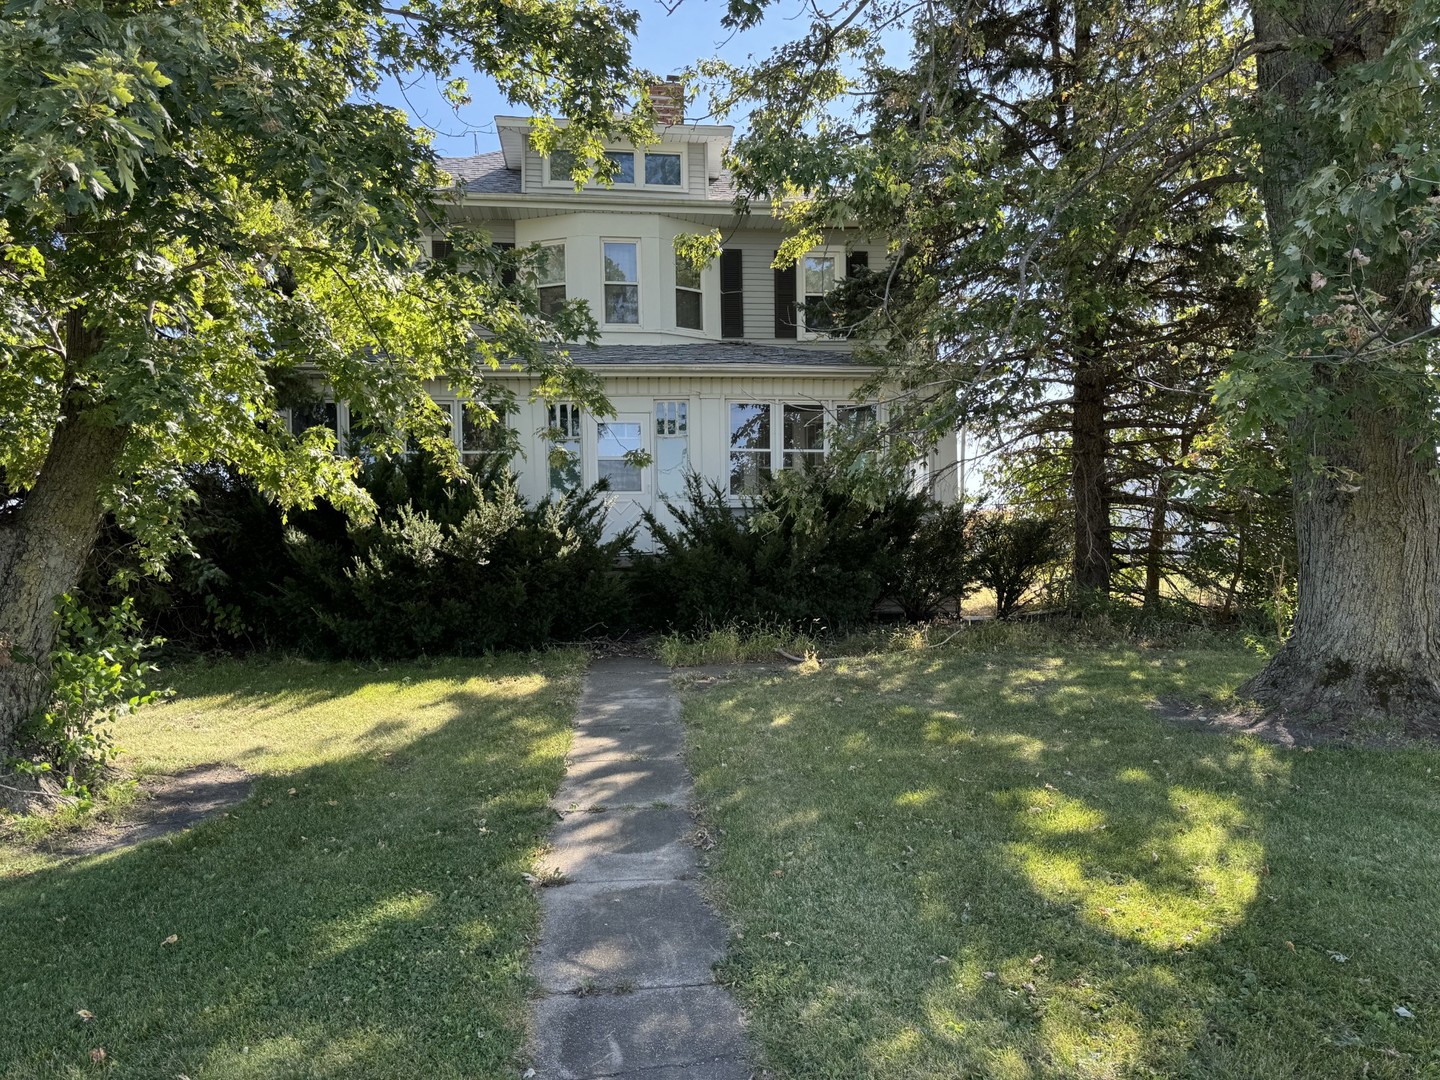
(666, 44)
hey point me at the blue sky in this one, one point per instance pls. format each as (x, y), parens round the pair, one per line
(667, 43)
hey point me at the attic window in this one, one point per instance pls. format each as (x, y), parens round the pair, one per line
(662, 170)
(441, 249)
(624, 162)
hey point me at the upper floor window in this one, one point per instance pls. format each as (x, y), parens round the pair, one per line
(624, 162)
(551, 278)
(818, 273)
(658, 168)
(622, 281)
(689, 306)
(662, 170)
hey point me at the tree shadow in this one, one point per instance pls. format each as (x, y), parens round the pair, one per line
(363, 917)
(1009, 867)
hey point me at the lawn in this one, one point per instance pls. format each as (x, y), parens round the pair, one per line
(363, 914)
(1010, 865)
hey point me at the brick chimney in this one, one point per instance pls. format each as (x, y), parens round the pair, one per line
(668, 97)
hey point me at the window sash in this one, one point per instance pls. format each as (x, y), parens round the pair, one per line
(614, 440)
(658, 168)
(672, 446)
(622, 281)
(564, 438)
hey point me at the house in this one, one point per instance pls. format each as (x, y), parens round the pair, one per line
(723, 371)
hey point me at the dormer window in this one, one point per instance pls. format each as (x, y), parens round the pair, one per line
(662, 170)
(659, 169)
(624, 162)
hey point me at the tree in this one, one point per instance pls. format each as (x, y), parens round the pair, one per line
(1347, 167)
(204, 210)
(1056, 280)
(1351, 181)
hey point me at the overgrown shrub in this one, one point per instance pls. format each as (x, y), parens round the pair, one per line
(938, 564)
(1012, 551)
(809, 555)
(96, 675)
(444, 566)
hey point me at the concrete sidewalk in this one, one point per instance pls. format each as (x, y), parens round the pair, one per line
(628, 941)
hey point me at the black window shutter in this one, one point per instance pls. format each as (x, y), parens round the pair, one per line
(441, 249)
(507, 274)
(732, 294)
(856, 262)
(785, 302)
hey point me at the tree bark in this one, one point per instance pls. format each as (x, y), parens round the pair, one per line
(1366, 639)
(43, 548)
(1089, 492)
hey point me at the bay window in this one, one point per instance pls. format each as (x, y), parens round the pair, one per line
(622, 281)
(689, 301)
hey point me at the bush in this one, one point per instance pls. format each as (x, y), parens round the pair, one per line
(938, 563)
(96, 675)
(488, 572)
(1011, 553)
(444, 566)
(809, 556)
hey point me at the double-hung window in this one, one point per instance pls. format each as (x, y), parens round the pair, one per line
(622, 281)
(750, 447)
(818, 275)
(564, 438)
(672, 446)
(447, 410)
(617, 449)
(312, 415)
(803, 441)
(689, 301)
(550, 278)
(483, 435)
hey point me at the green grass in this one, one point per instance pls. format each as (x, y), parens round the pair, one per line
(1005, 864)
(362, 914)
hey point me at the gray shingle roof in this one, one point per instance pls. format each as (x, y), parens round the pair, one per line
(708, 354)
(483, 174)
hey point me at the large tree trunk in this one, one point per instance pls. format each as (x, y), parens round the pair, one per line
(1366, 639)
(1089, 452)
(43, 548)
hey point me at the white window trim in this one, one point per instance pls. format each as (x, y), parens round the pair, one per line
(680, 150)
(802, 333)
(639, 244)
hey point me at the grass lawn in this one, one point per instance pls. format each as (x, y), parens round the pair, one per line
(1007, 865)
(362, 914)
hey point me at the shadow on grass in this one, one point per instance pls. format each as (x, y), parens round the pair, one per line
(1008, 867)
(364, 917)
